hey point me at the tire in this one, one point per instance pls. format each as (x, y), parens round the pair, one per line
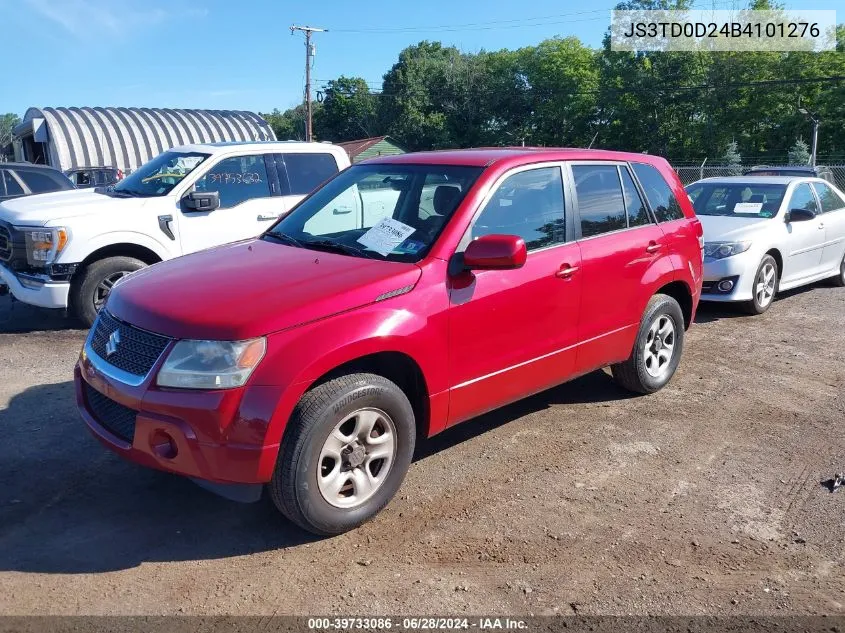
(301, 485)
(762, 302)
(839, 280)
(83, 300)
(644, 372)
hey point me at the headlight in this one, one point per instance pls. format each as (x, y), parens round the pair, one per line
(43, 245)
(211, 364)
(720, 250)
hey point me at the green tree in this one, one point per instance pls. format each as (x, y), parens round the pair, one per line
(349, 111)
(732, 159)
(799, 153)
(8, 122)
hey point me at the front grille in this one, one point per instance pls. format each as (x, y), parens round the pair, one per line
(5, 244)
(116, 418)
(134, 351)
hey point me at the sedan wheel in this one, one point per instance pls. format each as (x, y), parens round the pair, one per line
(765, 286)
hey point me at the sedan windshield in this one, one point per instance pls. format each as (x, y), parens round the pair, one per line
(389, 212)
(160, 175)
(736, 199)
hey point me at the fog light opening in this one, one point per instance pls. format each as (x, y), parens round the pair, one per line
(726, 285)
(163, 445)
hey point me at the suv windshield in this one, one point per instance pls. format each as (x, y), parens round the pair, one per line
(739, 199)
(160, 175)
(390, 212)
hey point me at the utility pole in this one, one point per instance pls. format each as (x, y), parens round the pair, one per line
(309, 55)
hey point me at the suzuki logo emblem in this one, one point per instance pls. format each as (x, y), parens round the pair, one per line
(113, 342)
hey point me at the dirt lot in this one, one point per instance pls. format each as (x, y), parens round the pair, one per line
(704, 498)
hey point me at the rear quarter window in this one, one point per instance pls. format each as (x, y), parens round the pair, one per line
(308, 171)
(658, 192)
(42, 182)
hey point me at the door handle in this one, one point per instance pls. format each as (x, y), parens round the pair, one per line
(821, 225)
(264, 218)
(341, 211)
(566, 271)
(652, 247)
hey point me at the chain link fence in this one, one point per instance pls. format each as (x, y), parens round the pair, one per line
(691, 173)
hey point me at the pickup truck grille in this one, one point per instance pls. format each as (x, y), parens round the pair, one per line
(113, 416)
(133, 350)
(5, 243)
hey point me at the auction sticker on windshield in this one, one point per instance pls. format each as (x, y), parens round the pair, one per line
(750, 208)
(386, 236)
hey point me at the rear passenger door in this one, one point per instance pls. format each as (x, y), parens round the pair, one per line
(621, 249)
(833, 217)
(300, 173)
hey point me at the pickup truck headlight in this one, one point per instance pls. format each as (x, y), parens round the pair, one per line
(720, 250)
(211, 364)
(43, 245)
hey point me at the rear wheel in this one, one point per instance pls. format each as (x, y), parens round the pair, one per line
(345, 453)
(765, 286)
(657, 350)
(839, 280)
(92, 287)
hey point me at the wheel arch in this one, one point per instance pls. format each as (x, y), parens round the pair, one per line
(778, 257)
(680, 292)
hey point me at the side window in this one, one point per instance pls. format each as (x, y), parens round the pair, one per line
(13, 188)
(308, 171)
(658, 192)
(528, 204)
(803, 198)
(236, 179)
(634, 205)
(600, 202)
(38, 182)
(831, 201)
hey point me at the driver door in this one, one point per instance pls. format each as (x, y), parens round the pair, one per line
(248, 205)
(805, 240)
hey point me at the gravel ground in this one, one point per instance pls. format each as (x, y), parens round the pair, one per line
(702, 499)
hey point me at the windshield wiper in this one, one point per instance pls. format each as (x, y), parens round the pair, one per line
(337, 247)
(284, 237)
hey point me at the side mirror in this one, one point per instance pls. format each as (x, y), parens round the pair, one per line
(799, 215)
(495, 252)
(202, 201)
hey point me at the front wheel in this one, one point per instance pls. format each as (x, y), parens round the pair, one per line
(345, 453)
(89, 291)
(839, 280)
(657, 350)
(765, 286)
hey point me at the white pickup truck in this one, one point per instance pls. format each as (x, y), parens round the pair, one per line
(67, 249)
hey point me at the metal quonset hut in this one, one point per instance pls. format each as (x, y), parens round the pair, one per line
(126, 137)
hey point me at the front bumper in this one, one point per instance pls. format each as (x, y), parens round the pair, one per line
(740, 267)
(213, 436)
(37, 290)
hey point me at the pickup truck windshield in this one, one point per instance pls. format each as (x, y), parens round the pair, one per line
(383, 211)
(160, 175)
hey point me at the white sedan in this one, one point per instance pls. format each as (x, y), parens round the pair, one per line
(765, 234)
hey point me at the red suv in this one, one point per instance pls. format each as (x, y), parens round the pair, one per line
(407, 294)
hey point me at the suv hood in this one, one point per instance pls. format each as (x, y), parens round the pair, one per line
(719, 228)
(41, 208)
(251, 288)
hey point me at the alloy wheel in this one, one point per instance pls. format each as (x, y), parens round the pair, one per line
(356, 458)
(659, 346)
(764, 285)
(104, 288)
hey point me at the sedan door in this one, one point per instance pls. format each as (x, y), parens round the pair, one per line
(805, 240)
(514, 332)
(833, 216)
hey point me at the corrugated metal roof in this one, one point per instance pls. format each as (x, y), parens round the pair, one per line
(129, 137)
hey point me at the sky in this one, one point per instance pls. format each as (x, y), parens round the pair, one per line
(240, 55)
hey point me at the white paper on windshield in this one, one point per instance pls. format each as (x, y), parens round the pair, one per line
(386, 235)
(751, 208)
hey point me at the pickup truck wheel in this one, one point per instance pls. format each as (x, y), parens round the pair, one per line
(657, 350)
(89, 291)
(345, 453)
